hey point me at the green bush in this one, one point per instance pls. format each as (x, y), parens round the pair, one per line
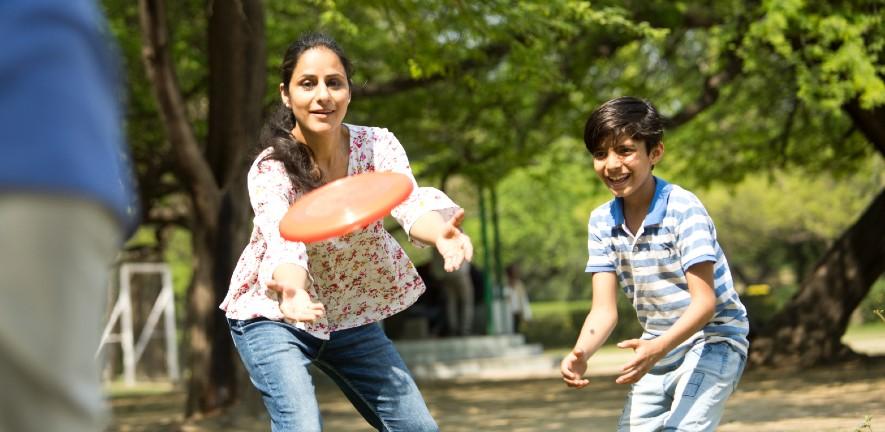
(875, 300)
(557, 324)
(761, 308)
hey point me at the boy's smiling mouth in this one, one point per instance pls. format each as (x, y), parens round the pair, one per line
(617, 181)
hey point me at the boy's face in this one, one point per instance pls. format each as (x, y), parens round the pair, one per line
(624, 165)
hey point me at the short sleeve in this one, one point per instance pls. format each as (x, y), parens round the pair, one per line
(695, 235)
(269, 189)
(602, 257)
(390, 156)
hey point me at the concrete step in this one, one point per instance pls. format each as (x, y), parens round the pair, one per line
(423, 357)
(476, 357)
(489, 368)
(445, 349)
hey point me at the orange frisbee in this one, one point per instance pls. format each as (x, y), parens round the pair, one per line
(344, 205)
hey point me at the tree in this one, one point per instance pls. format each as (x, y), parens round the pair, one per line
(748, 87)
(811, 95)
(213, 174)
(479, 90)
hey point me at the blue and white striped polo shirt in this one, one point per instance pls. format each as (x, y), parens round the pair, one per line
(676, 234)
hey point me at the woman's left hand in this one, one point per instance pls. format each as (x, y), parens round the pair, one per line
(454, 246)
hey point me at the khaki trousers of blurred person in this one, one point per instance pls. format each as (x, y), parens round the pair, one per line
(55, 256)
(459, 300)
(458, 289)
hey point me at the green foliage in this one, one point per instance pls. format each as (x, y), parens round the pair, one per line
(761, 308)
(787, 218)
(487, 122)
(835, 50)
(489, 66)
(496, 93)
(872, 308)
(543, 211)
(772, 227)
(867, 425)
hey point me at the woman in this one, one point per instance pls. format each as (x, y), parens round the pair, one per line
(291, 304)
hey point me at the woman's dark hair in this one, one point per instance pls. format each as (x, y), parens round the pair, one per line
(276, 133)
(626, 116)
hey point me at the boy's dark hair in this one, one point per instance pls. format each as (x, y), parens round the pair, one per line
(627, 117)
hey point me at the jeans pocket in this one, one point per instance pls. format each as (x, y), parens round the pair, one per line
(741, 365)
(694, 384)
(236, 326)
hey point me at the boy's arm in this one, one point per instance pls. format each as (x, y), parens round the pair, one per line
(597, 327)
(699, 312)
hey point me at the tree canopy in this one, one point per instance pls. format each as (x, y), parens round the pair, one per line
(495, 94)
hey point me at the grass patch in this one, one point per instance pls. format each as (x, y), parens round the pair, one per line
(118, 389)
(865, 332)
(560, 307)
(556, 324)
(605, 350)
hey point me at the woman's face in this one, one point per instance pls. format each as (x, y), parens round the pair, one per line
(318, 92)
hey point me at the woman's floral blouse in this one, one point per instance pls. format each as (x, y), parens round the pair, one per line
(361, 277)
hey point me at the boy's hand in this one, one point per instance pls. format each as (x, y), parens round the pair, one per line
(572, 369)
(647, 354)
(295, 303)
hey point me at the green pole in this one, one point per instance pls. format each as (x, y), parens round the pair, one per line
(488, 294)
(496, 238)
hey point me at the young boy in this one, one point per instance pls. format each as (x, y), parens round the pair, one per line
(658, 243)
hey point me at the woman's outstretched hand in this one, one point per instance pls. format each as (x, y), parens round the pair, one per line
(454, 246)
(295, 303)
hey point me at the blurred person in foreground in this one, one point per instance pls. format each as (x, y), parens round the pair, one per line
(65, 199)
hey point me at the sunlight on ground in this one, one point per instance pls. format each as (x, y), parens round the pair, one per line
(819, 399)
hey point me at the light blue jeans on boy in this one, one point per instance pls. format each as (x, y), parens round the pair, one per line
(690, 398)
(361, 360)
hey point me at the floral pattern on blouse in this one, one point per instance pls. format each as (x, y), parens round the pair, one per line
(361, 277)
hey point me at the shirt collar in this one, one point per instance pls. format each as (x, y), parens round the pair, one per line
(656, 210)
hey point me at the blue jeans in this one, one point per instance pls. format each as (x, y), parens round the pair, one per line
(690, 398)
(361, 360)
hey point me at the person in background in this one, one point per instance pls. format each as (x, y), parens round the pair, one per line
(458, 291)
(65, 205)
(518, 297)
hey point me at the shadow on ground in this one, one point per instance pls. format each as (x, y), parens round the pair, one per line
(822, 399)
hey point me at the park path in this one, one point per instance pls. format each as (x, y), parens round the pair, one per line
(820, 399)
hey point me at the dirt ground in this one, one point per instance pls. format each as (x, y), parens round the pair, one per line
(821, 399)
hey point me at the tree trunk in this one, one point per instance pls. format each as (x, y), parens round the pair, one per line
(871, 123)
(203, 395)
(237, 79)
(215, 178)
(809, 329)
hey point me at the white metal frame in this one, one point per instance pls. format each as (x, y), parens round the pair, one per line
(122, 311)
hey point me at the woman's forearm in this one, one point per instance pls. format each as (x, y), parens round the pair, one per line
(290, 276)
(428, 228)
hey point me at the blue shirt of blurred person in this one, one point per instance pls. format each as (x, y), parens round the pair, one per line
(60, 100)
